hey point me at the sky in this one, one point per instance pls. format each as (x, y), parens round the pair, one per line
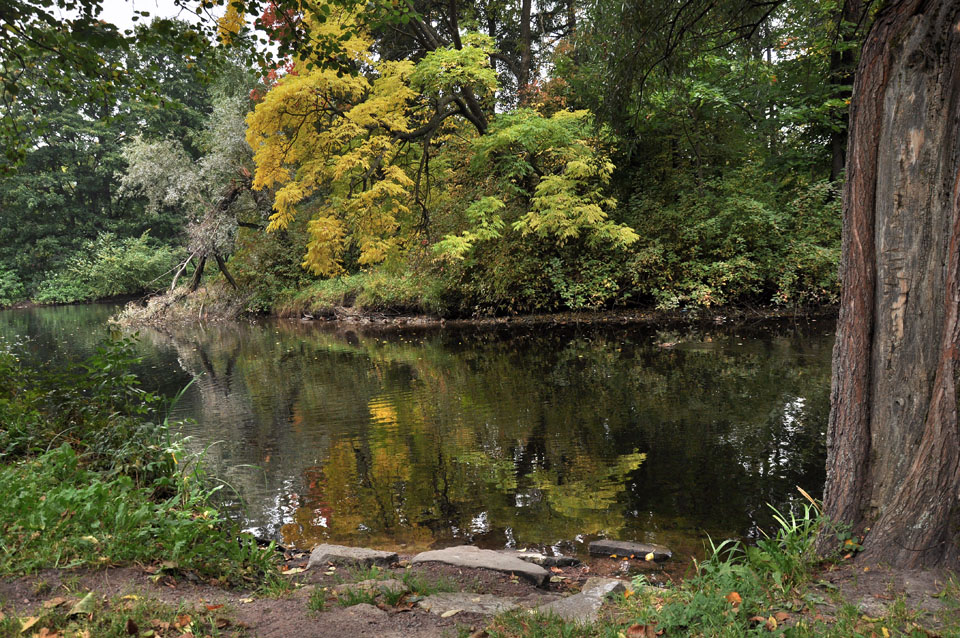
(120, 12)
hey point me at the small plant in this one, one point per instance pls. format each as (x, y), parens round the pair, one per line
(356, 596)
(318, 600)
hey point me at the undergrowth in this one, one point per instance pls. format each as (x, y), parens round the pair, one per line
(91, 475)
(764, 589)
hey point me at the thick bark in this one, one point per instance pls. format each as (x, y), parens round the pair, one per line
(893, 450)
(198, 273)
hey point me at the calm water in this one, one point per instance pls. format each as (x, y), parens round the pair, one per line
(529, 436)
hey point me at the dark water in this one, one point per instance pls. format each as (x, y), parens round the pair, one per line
(546, 435)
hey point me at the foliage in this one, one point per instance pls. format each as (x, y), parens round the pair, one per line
(90, 476)
(11, 289)
(110, 267)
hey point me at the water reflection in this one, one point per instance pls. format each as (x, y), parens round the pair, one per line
(531, 436)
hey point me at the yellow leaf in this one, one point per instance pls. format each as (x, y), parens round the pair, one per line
(649, 557)
(27, 623)
(450, 612)
(885, 632)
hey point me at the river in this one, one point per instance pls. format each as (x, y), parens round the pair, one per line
(547, 435)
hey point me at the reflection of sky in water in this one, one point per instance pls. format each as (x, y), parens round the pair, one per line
(531, 436)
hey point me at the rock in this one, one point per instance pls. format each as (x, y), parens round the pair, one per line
(624, 549)
(486, 604)
(476, 558)
(603, 587)
(538, 558)
(585, 607)
(344, 556)
(872, 608)
(580, 608)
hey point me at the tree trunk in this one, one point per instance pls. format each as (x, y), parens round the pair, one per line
(893, 452)
(842, 61)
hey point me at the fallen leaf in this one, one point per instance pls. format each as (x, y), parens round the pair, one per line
(295, 570)
(90, 539)
(131, 597)
(84, 606)
(642, 631)
(450, 612)
(212, 607)
(182, 621)
(3, 616)
(132, 628)
(885, 632)
(771, 624)
(222, 623)
(54, 602)
(556, 570)
(649, 557)
(734, 599)
(27, 623)
(781, 616)
(757, 619)
(246, 601)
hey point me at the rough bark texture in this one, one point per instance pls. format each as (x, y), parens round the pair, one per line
(893, 449)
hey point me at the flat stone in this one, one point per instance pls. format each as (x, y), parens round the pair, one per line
(585, 607)
(603, 587)
(343, 556)
(476, 558)
(538, 558)
(486, 604)
(579, 608)
(624, 549)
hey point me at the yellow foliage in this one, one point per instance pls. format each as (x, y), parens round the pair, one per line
(230, 24)
(339, 148)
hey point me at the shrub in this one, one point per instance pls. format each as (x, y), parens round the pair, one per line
(108, 267)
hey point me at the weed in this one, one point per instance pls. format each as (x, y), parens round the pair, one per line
(356, 596)
(318, 600)
(419, 584)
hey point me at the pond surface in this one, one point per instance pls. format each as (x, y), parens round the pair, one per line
(528, 436)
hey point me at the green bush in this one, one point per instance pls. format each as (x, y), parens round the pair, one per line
(109, 267)
(11, 288)
(91, 476)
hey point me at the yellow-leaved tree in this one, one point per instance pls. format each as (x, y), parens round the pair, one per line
(349, 150)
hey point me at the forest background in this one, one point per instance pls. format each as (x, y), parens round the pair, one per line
(454, 158)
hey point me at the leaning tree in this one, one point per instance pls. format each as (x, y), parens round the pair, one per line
(893, 468)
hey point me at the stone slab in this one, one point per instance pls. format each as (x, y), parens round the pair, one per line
(579, 608)
(538, 558)
(485, 604)
(476, 558)
(585, 607)
(625, 549)
(343, 556)
(603, 587)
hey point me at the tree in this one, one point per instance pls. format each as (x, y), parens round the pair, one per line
(893, 468)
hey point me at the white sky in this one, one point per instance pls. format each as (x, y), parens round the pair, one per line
(120, 12)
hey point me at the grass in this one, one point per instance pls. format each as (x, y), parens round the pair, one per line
(92, 476)
(767, 589)
(119, 617)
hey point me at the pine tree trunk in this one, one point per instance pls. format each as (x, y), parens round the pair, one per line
(893, 463)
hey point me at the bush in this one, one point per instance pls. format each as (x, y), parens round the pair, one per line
(109, 267)
(11, 288)
(90, 475)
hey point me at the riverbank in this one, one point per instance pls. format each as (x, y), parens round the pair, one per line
(725, 597)
(215, 303)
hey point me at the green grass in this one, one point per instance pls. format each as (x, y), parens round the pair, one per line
(120, 617)
(91, 476)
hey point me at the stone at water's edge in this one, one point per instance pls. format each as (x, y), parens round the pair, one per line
(584, 607)
(344, 556)
(624, 549)
(486, 604)
(476, 558)
(541, 559)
